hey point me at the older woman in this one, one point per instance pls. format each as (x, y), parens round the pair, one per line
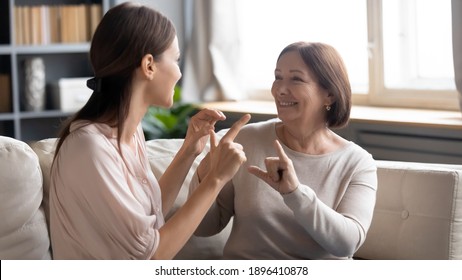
(307, 192)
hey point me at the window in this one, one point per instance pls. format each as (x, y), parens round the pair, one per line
(417, 50)
(398, 52)
(266, 27)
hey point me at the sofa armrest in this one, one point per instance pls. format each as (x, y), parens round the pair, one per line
(23, 227)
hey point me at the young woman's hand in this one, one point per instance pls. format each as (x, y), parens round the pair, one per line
(280, 172)
(199, 128)
(226, 157)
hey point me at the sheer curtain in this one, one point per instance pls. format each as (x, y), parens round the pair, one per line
(457, 45)
(211, 61)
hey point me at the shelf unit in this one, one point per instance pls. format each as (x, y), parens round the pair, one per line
(62, 60)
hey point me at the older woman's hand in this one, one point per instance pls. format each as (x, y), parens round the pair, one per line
(280, 172)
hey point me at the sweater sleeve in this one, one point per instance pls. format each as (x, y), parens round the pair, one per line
(340, 231)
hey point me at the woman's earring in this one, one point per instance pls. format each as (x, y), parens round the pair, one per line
(327, 107)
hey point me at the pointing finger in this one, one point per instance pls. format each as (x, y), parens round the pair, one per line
(234, 130)
(282, 155)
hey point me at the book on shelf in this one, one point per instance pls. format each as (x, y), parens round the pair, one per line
(5, 94)
(95, 12)
(67, 24)
(18, 24)
(26, 25)
(54, 24)
(36, 25)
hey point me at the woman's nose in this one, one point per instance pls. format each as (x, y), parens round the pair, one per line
(280, 89)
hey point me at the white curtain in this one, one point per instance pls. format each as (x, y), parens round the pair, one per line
(457, 45)
(211, 63)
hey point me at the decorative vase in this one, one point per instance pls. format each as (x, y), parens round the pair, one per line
(34, 85)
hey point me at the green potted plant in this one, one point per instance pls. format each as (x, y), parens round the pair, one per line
(168, 122)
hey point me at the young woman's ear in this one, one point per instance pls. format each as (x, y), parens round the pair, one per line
(148, 66)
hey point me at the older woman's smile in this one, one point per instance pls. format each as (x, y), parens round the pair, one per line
(287, 104)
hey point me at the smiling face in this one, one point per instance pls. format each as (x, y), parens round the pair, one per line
(167, 74)
(298, 96)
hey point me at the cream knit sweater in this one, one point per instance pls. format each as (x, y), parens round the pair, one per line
(327, 217)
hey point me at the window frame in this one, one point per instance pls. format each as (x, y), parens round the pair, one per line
(378, 94)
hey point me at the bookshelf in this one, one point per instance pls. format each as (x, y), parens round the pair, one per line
(32, 28)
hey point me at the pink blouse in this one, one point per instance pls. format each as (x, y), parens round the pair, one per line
(104, 204)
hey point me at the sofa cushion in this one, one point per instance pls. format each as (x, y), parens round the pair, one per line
(160, 153)
(418, 214)
(23, 227)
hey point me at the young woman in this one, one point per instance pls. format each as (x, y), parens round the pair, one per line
(322, 188)
(105, 202)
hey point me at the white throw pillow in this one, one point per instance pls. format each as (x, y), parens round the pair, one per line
(23, 227)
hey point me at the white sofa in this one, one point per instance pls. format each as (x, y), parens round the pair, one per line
(418, 214)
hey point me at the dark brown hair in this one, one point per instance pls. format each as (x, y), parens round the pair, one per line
(126, 33)
(327, 66)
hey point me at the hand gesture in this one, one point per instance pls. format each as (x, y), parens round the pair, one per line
(199, 128)
(280, 172)
(226, 157)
